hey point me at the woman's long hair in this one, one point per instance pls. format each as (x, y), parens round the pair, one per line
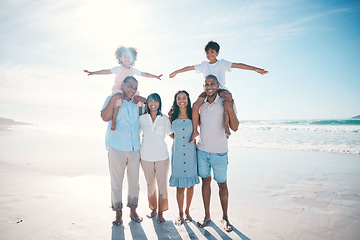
(176, 109)
(156, 97)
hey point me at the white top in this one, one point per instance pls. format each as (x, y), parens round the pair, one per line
(212, 132)
(217, 69)
(153, 147)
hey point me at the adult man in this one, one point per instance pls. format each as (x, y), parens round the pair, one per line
(123, 145)
(213, 147)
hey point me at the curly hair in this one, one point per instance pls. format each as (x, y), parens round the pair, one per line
(121, 50)
(176, 109)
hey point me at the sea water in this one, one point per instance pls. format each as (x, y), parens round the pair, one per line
(340, 136)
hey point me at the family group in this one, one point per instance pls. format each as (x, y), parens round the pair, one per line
(130, 114)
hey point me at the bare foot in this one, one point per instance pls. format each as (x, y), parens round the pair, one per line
(188, 218)
(117, 221)
(161, 219)
(150, 215)
(135, 217)
(179, 221)
(203, 223)
(113, 125)
(193, 136)
(226, 224)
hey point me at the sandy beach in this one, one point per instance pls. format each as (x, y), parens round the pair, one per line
(55, 186)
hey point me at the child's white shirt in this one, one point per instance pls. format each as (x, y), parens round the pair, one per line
(217, 69)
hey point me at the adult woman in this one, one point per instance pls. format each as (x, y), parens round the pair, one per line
(183, 159)
(154, 155)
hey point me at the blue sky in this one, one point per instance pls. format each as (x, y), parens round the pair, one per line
(310, 48)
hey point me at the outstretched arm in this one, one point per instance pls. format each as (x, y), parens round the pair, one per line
(185, 69)
(104, 71)
(144, 74)
(247, 67)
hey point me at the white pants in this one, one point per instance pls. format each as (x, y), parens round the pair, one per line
(118, 161)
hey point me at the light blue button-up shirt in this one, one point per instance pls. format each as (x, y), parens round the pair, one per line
(126, 136)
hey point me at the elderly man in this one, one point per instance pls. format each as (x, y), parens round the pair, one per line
(123, 145)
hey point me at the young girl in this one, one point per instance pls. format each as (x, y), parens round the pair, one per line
(183, 159)
(126, 58)
(154, 155)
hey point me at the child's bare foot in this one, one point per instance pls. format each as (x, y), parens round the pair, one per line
(226, 224)
(227, 132)
(193, 136)
(203, 223)
(113, 125)
(150, 215)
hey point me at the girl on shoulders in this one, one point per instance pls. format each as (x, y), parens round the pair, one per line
(126, 58)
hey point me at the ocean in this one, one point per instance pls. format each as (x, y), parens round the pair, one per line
(337, 136)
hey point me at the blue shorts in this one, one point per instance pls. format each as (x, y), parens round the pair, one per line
(217, 161)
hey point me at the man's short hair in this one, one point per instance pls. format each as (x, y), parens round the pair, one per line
(213, 77)
(127, 79)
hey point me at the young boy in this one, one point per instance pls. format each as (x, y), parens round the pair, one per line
(217, 68)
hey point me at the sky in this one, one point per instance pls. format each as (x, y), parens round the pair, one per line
(310, 48)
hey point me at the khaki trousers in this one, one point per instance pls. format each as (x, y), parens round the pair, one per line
(156, 172)
(118, 161)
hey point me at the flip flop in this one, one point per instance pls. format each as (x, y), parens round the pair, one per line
(150, 216)
(160, 221)
(226, 224)
(179, 221)
(203, 223)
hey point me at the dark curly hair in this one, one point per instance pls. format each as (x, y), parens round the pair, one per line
(212, 45)
(176, 109)
(121, 50)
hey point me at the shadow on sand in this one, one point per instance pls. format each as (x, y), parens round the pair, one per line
(218, 230)
(165, 230)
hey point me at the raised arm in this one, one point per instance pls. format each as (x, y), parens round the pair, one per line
(104, 71)
(247, 67)
(185, 69)
(144, 74)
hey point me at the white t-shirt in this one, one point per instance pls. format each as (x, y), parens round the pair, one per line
(217, 69)
(212, 132)
(153, 147)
